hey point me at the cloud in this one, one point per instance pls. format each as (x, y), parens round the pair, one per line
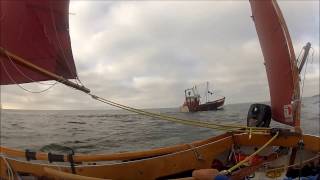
(146, 53)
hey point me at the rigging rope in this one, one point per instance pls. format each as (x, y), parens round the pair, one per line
(183, 121)
(305, 72)
(298, 60)
(23, 74)
(23, 88)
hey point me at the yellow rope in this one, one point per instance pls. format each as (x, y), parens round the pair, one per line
(253, 154)
(184, 121)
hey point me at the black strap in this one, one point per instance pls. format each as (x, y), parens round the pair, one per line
(70, 159)
(300, 147)
(30, 155)
(55, 157)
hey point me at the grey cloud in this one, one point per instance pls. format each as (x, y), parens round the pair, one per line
(146, 53)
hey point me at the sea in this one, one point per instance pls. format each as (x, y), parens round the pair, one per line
(106, 131)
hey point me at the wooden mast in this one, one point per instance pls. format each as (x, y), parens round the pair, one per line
(305, 55)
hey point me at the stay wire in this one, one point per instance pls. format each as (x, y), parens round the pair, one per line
(298, 59)
(305, 71)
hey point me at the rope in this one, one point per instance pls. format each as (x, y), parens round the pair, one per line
(298, 60)
(253, 154)
(305, 71)
(23, 74)
(10, 171)
(296, 164)
(180, 120)
(20, 86)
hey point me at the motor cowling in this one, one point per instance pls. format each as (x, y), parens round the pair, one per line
(259, 115)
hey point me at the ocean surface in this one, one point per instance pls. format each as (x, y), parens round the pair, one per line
(105, 131)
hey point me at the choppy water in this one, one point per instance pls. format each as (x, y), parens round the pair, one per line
(117, 131)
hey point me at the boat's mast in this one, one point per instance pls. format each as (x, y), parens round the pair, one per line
(28, 64)
(297, 114)
(207, 91)
(305, 55)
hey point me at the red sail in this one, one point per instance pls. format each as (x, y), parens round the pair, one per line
(279, 60)
(37, 31)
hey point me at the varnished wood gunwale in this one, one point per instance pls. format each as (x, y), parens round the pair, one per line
(149, 168)
(125, 156)
(152, 168)
(311, 143)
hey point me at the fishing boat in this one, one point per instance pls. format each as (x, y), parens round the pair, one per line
(193, 100)
(35, 46)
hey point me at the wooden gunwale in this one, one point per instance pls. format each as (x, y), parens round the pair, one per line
(149, 168)
(117, 156)
(160, 166)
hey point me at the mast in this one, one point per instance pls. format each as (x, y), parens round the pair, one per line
(207, 91)
(305, 55)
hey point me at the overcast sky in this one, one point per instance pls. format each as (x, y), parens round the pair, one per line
(146, 53)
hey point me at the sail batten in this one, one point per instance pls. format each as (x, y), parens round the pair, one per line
(280, 61)
(37, 31)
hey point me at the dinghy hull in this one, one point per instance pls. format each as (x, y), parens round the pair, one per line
(172, 162)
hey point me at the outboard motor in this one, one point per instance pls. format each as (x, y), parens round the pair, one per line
(259, 115)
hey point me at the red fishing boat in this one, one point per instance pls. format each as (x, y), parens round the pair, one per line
(35, 46)
(193, 100)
